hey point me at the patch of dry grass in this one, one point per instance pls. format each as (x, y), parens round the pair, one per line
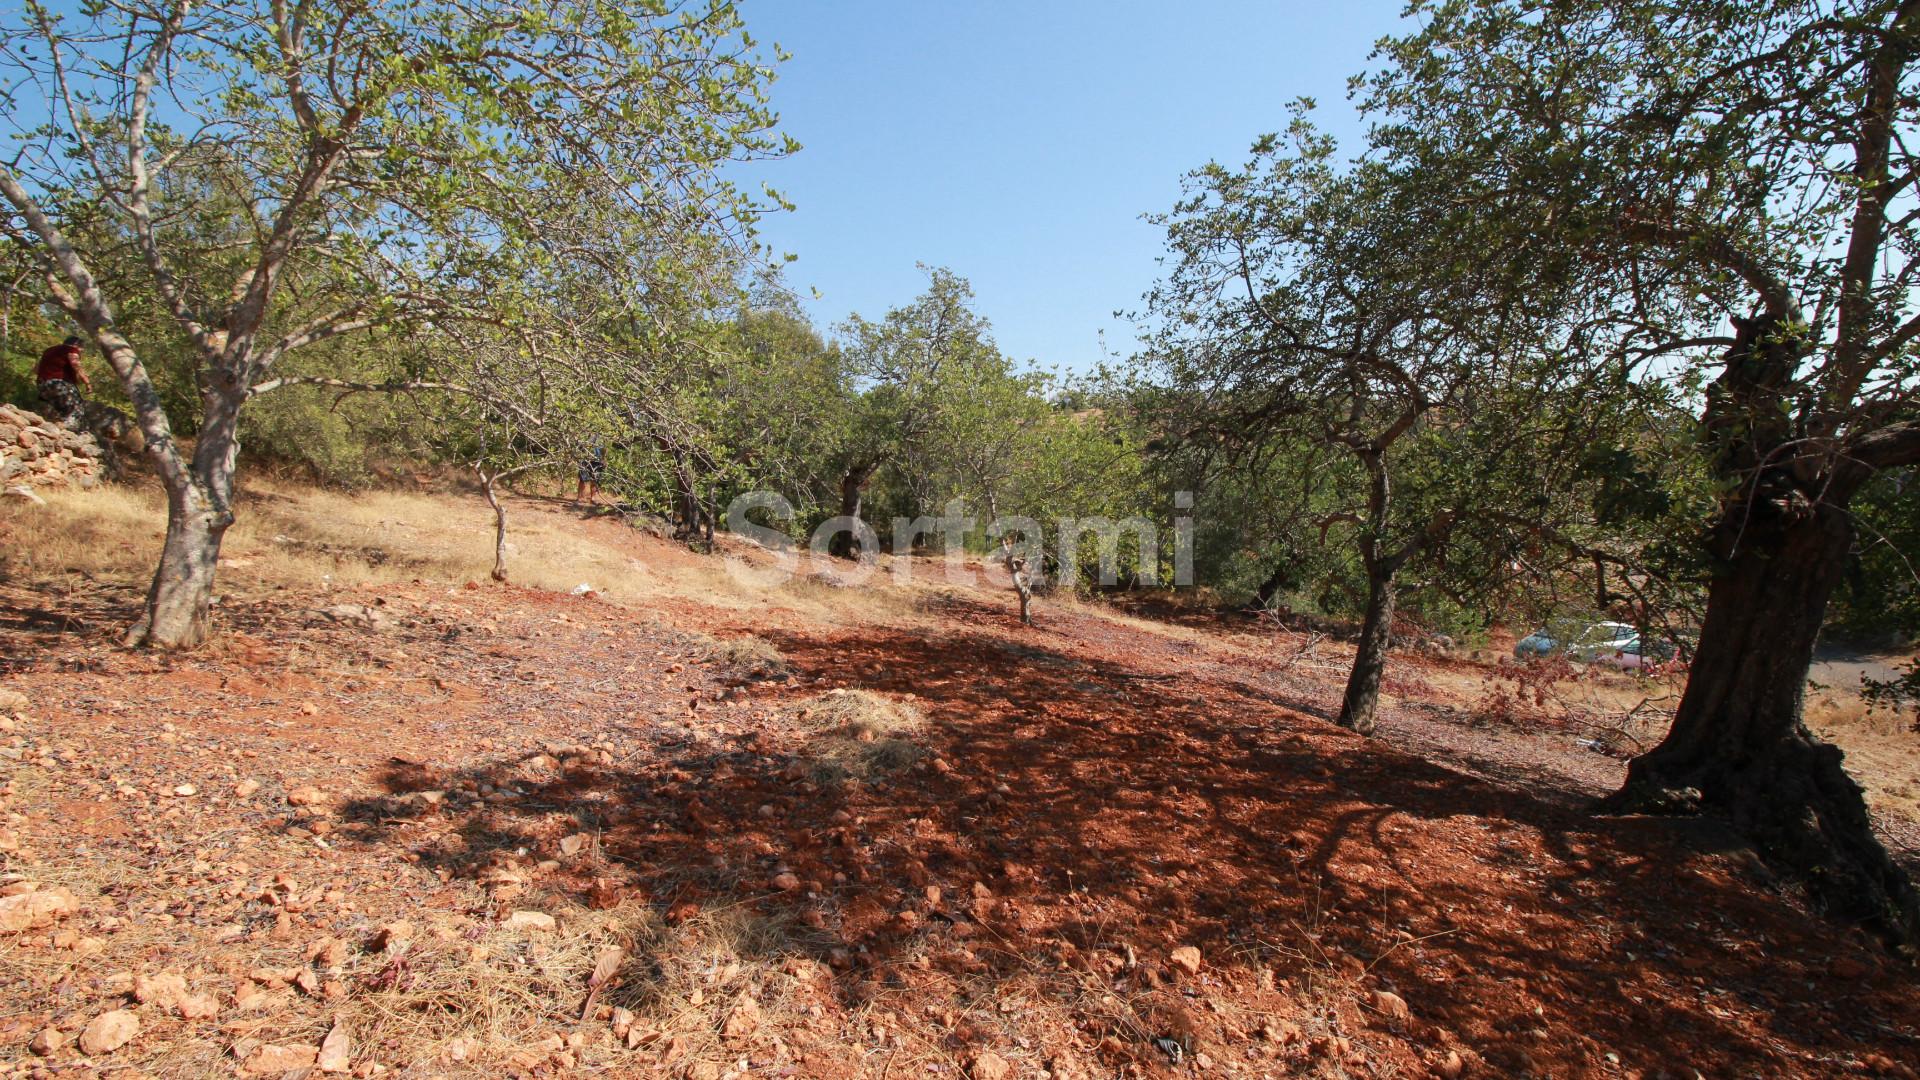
(460, 994)
(746, 656)
(1839, 710)
(1883, 752)
(293, 536)
(860, 735)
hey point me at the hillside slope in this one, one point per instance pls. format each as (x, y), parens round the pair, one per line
(401, 823)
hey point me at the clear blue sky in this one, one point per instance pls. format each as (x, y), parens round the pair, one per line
(1019, 143)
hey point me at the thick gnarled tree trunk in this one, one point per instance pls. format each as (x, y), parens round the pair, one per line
(1738, 748)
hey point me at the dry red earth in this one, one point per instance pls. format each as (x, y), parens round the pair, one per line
(1098, 795)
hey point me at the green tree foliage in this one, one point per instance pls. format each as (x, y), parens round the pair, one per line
(386, 166)
(1878, 601)
(1750, 169)
(1356, 313)
(783, 395)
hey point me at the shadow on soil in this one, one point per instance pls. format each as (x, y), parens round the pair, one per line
(1078, 809)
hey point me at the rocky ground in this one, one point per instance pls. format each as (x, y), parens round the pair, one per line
(449, 830)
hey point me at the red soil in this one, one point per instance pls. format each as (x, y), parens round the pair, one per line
(1101, 795)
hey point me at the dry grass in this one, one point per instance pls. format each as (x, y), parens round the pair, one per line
(462, 995)
(293, 536)
(300, 536)
(746, 657)
(860, 735)
(1846, 711)
(1883, 753)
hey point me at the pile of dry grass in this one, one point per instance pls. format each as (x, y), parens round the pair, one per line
(501, 1004)
(748, 657)
(860, 735)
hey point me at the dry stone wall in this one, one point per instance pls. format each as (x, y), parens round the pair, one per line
(35, 452)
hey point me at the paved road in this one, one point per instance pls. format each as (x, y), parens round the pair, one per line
(1842, 669)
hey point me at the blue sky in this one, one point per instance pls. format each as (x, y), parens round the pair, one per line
(1019, 143)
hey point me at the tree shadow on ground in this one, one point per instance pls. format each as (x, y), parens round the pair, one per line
(1090, 807)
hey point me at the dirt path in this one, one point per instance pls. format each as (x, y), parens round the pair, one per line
(1097, 795)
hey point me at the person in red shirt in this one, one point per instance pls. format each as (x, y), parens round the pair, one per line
(57, 376)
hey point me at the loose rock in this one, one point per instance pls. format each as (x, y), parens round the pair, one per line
(32, 910)
(743, 1020)
(328, 952)
(272, 1060)
(532, 920)
(392, 936)
(1186, 958)
(164, 989)
(1391, 1005)
(987, 1065)
(47, 1042)
(108, 1032)
(336, 1050)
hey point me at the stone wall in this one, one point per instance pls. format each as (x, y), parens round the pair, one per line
(35, 452)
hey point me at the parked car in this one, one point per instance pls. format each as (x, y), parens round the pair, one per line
(1637, 654)
(1611, 643)
(1578, 641)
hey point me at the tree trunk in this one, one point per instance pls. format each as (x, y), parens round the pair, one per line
(499, 527)
(1738, 749)
(853, 489)
(199, 512)
(182, 590)
(690, 519)
(1362, 700)
(686, 511)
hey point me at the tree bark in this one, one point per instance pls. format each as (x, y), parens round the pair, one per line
(181, 594)
(853, 490)
(690, 519)
(687, 510)
(1360, 705)
(199, 512)
(499, 527)
(1738, 748)
(1361, 702)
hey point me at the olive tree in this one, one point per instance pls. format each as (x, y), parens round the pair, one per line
(404, 159)
(1754, 171)
(907, 371)
(1349, 308)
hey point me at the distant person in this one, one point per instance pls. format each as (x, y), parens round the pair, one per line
(60, 378)
(591, 470)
